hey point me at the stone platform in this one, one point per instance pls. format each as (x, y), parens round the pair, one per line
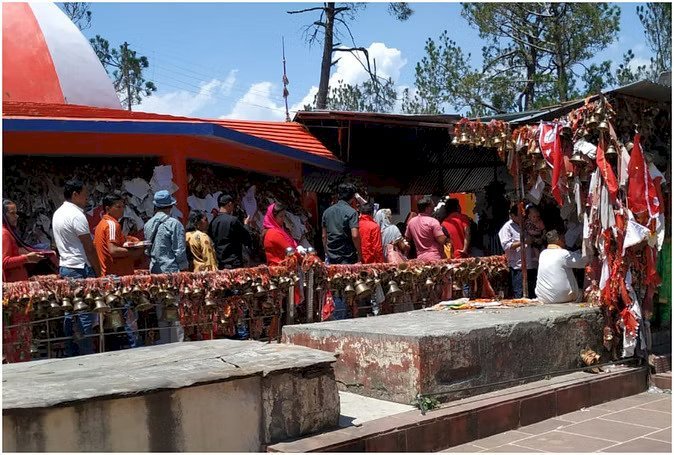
(207, 396)
(395, 357)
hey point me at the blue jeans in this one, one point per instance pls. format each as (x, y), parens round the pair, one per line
(85, 321)
(341, 312)
(516, 280)
(131, 325)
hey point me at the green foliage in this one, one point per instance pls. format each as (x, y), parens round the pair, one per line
(657, 21)
(425, 403)
(126, 69)
(625, 74)
(369, 96)
(79, 13)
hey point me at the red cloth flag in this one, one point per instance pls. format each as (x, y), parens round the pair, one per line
(551, 147)
(641, 193)
(606, 171)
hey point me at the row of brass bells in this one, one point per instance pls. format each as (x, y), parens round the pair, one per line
(362, 289)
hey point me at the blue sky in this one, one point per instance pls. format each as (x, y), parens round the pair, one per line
(224, 59)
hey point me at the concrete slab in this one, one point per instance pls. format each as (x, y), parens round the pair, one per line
(395, 357)
(46, 383)
(357, 409)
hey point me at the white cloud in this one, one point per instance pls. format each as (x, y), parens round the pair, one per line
(261, 101)
(188, 102)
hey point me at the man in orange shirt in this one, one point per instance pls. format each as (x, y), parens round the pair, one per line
(370, 236)
(115, 259)
(109, 240)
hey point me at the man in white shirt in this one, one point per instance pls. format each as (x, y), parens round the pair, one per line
(509, 235)
(556, 282)
(77, 259)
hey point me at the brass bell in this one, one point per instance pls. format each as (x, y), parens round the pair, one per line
(54, 306)
(187, 292)
(126, 293)
(629, 146)
(536, 150)
(153, 289)
(137, 291)
(464, 139)
(143, 303)
(101, 306)
(260, 291)
(80, 304)
(170, 300)
(24, 300)
(362, 289)
(577, 158)
(429, 282)
(171, 313)
(496, 141)
(89, 299)
(66, 305)
(349, 291)
(209, 302)
(393, 291)
(455, 141)
(592, 121)
(111, 300)
(542, 166)
(115, 320)
(603, 125)
(611, 151)
(600, 110)
(272, 287)
(249, 293)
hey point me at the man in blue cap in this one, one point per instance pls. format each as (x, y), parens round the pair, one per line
(166, 236)
(167, 252)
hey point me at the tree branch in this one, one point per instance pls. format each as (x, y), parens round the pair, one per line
(317, 8)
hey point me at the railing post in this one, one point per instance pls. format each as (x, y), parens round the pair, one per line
(290, 315)
(101, 334)
(310, 296)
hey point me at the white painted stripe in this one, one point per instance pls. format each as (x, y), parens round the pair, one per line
(81, 75)
(112, 227)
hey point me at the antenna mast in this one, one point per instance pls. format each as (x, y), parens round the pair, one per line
(285, 79)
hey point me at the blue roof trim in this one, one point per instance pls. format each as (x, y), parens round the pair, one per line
(172, 128)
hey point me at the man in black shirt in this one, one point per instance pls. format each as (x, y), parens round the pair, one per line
(229, 235)
(340, 228)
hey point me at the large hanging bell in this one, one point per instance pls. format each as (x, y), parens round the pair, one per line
(393, 291)
(142, 303)
(101, 306)
(362, 289)
(171, 313)
(66, 304)
(112, 300)
(349, 291)
(115, 320)
(80, 305)
(592, 121)
(611, 151)
(603, 125)
(577, 159)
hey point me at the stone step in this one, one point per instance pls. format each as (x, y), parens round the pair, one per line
(468, 419)
(660, 363)
(662, 380)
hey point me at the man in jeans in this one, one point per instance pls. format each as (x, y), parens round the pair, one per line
(341, 237)
(77, 259)
(167, 253)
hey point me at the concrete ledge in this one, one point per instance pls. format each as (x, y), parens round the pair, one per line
(662, 380)
(209, 396)
(395, 357)
(473, 418)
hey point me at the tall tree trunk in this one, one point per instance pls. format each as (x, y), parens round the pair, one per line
(125, 63)
(326, 63)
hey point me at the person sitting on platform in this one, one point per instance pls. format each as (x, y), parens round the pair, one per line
(276, 238)
(370, 236)
(229, 235)
(109, 240)
(426, 233)
(509, 236)
(555, 282)
(199, 245)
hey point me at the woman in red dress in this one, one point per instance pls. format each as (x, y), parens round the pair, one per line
(276, 238)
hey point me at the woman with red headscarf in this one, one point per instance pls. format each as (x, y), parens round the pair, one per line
(276, 238)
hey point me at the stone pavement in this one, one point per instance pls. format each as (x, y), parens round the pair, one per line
(357, 409)
(639, 423)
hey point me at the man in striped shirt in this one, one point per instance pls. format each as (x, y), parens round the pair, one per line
(109, 240)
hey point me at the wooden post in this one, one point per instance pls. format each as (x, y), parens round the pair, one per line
(310, 296)
(101, 334)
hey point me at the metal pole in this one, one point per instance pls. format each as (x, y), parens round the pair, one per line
(48, 340)
(290, 315)
(101, 334)
(310, 296)
(523, 249)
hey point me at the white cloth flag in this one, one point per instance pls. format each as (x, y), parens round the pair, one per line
(249, 203)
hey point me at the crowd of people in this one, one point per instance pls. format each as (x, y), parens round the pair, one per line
(352, 233)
